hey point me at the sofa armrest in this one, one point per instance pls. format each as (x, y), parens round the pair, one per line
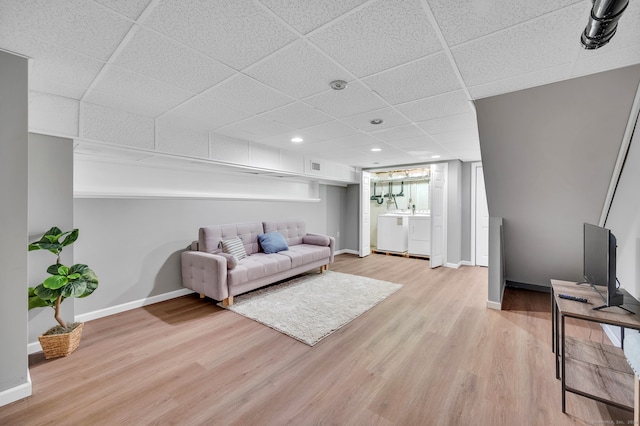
(321, 240)
(205, 273)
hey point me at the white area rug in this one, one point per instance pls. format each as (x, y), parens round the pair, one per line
(311, 307)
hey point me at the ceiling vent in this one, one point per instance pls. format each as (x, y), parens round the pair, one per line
(602, 23)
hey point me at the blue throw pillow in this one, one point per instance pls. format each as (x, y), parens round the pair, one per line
(272, 242)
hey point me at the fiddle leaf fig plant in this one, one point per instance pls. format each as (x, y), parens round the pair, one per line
(75, 281)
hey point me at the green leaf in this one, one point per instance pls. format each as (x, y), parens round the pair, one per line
(54, 282)
(63, 270)
(71, 237)
(53, 269)
(72, 277)
(75, 289)
(37, 302)
(45, 293)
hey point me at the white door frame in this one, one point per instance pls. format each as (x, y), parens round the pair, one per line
(474, 183)
(364, 242)
(474, 171)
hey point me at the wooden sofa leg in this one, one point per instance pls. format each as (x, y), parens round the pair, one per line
(202, 296)
(228, 301)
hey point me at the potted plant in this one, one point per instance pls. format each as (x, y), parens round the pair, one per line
(75, 281)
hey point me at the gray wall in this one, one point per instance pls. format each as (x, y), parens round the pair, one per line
(352, 219)
(336, 213)
(50, 204)
(14, 381)
(624, 219)
(548, 154)
(134, 245)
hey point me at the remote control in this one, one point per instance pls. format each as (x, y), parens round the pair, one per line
(577, 299)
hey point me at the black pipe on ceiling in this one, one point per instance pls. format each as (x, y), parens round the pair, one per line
(603, 22)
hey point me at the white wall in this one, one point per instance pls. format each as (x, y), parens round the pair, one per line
(548, 155)
(624, 220)
(133, 243)
(14, 375)
(50, 204)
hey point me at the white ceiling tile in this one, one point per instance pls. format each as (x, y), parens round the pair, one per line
(397, 133)
(307, 15)
(331, 130)
(53, 114)
(609, 60)
(450, 124)
(459, 137)
(130, 8)
(174, 138)
(78, 25)
(351, 141)
(419, 79)
(464, 20)
(362, 121)
(50, 62)
(297, 115)
(122, 89)
(422, 143)
(236, 32)
(521, 81)
(40, 84)
(117, 127)
(205, 113)
(385, 34)
(355, 99)
(522, 49)
(247, 94)
(254, 128)
(156, 56)
(436, 106)
(298, 70)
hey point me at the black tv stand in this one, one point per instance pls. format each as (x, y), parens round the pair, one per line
(614, 306)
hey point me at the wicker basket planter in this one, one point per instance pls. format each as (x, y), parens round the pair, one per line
(58, 345)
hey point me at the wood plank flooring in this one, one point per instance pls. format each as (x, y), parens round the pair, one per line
(431, 354)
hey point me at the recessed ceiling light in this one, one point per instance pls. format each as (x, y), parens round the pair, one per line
(297, 140)
(338, 84)
(435, 156)
(376, 149)
(377, 121)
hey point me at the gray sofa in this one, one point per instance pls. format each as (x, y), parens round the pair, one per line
(207, 270)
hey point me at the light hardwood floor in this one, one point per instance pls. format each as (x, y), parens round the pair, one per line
(431, 354)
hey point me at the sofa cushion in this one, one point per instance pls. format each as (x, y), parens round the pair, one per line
(209, 236)
(257, 266)
(318, 240)
(234, 247)
(303, 254)
(272, 242)
(232, 261)
(291, 230)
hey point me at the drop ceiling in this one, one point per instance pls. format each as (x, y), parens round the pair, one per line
(182, 77)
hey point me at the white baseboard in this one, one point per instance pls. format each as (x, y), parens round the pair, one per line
(346, 251)
(494, 305)
(35, 347)
(131, 305)
(466, 263)
(16, 393)
(453, 265)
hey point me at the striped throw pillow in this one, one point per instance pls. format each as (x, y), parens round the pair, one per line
(233, 246)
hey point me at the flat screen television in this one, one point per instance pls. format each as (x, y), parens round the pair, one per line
(600, 264)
